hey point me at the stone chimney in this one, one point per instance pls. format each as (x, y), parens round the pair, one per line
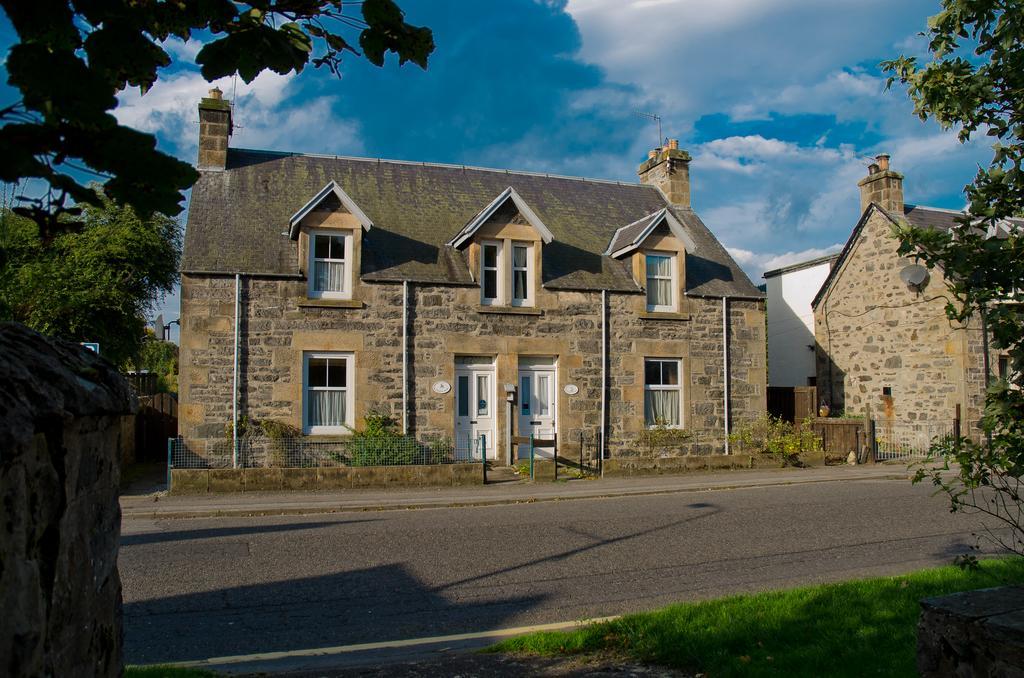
(668, 168)
(214, 130)
(882, 186)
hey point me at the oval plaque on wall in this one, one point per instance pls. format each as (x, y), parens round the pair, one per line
(571, 389)
(441, 387)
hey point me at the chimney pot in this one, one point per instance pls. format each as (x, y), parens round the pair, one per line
(882, 186)
(673, 144)
(215, 93)
(651, 155)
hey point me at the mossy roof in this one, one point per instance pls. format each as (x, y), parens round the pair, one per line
(238, 221)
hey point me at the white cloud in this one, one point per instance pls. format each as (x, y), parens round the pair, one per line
(756, 263)
(183, 50)
(262, 115)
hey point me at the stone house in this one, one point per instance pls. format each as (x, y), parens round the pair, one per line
(883, 339)
(467, 303)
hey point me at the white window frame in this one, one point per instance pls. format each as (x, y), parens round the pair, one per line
(346, 291)
(528, 301)
(661, 387)
(498, 268)
(672, 257)
(350, 371)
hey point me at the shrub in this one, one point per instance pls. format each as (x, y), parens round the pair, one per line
(380, 444)
(778, 439)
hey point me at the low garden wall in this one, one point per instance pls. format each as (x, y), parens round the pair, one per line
(976, 633)
(203, 481)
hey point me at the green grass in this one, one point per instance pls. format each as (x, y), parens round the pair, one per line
(166, 672)
(855, 628)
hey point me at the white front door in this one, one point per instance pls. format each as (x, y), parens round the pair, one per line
(537, 399)
(474, 411)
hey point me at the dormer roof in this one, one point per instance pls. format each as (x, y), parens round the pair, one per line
(332, 188)
(631, 236)
(480, 218)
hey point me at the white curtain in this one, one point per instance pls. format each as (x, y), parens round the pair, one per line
(659, 281)
(519, 276)
(330, 276)
(327, 408)
(661, 408)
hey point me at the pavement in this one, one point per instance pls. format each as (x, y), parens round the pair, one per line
(356, 589)
(145, 500)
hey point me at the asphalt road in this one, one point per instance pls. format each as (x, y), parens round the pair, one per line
(203, 588)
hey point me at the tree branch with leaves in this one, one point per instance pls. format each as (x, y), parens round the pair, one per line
(72, 58)
(974, 83)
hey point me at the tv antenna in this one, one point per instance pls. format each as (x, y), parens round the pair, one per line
(654, 117)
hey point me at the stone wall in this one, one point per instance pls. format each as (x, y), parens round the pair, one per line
(61, 414)
(202, 481)
(278, 323)
(975, 633)
(873, 332)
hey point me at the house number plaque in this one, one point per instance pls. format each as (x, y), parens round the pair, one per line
(441, 387)
(571, 389)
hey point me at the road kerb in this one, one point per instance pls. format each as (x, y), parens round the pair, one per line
(494, 634)
(129, 512)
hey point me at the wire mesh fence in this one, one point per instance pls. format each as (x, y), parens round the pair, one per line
(907, 441)
(297, 452)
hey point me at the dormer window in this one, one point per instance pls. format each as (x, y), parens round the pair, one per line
(661, 282)
(330, 265)
(490, 273)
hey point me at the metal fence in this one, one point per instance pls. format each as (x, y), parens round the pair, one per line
(908, 441)
(295, 452)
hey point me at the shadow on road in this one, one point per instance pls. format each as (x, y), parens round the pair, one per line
(358, 606)
(241, 530)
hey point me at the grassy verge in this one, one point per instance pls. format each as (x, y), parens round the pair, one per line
(855, 628)
(166, 672)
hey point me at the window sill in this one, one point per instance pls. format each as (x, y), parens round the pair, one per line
(510, 310)
(331, 303)
(663, 315)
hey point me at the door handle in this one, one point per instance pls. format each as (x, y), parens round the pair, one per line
(472, 422)
(535, 423)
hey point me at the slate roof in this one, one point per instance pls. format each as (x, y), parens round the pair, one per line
(238, 221)
(627, 235)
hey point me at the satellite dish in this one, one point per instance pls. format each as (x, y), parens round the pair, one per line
(158, 326)
(914, 275)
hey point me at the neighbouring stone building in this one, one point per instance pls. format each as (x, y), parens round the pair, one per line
(884, 341)
(467, 303)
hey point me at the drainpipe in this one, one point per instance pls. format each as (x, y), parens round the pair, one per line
(725, 365)
(234, 381)
(405, 357)
(604, 374)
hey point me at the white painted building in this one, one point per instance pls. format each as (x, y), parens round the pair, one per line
(791, 321)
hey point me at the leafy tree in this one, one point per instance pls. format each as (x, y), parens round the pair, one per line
(72, 57)
(975, 84)
(158, 357)
(94, 282)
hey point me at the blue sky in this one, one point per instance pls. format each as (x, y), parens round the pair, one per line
(780, 102)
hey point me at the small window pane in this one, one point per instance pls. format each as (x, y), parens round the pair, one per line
(659, 266)
(322, 249)
(490, 256)
(329, 276)
(337, 247)
(525, 395)
(519, 257)
(670, 373)
(491, 284)
(652, 372)
(327, 408)
(659, 292)
(543, 396)
(519, 285)
(463, 396)
(336, 370)
(481, 395)
(318, 372)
